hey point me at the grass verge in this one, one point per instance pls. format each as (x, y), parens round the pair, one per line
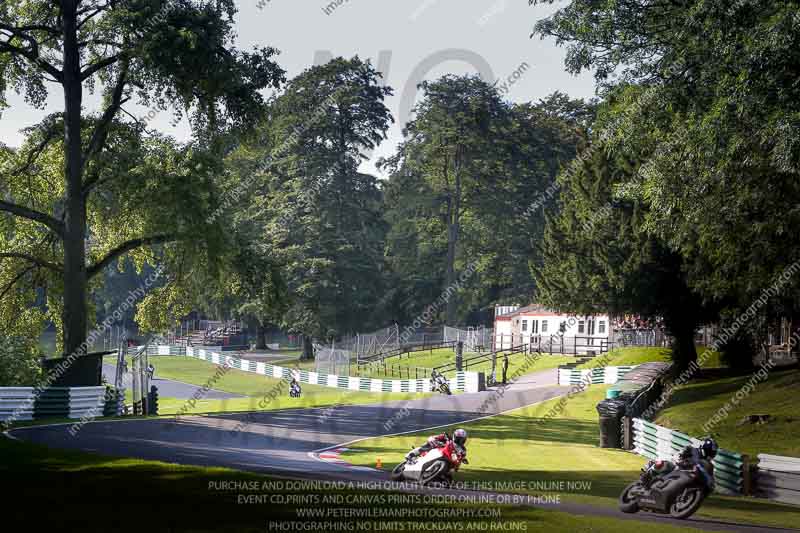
(261, 392)
(86, 492)
(694, 405)
(531, 448)
(636, 355)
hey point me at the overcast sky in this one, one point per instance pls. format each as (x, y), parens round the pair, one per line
(408, 40)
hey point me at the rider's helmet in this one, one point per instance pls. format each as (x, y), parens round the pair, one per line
(460, 436)
(709, 448)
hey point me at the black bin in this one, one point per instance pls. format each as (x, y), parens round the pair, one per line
(611, 412)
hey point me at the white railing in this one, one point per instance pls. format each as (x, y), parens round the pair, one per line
(604, 375)
(778, 478)
(28, 403)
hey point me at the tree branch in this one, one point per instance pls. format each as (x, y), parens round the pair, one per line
(126, 247)
(35, 260)
(56, 225)
(50, 133)
(99, 65)
(31, 54)
(15, 280)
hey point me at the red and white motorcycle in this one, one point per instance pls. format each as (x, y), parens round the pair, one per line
(436, 465)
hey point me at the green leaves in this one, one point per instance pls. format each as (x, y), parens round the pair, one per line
(100, 186)
(475, 162)
(310, 217)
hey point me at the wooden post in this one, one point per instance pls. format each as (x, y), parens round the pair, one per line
(747, 481)
(627, 433)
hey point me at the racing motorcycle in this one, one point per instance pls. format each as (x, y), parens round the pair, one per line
(439, 383)
(435, 466)
(678, 492)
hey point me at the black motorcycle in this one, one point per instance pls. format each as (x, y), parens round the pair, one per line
(678, 493)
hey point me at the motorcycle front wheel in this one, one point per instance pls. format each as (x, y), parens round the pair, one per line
(432, 471)
(397, 472)
(628, 503)
(687, 503)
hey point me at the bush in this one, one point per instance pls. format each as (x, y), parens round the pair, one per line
(19, 362)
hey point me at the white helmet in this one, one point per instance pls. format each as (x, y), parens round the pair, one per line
(460, 436)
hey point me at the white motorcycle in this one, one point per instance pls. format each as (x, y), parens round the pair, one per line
(439, 383)
(436, 465)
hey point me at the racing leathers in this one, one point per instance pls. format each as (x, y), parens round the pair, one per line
(691, 457)
(434, 441)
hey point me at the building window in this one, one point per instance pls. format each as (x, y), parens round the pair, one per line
(602, 327)
(581, 326)
(544, 326)
(534, 326)
(524, 325)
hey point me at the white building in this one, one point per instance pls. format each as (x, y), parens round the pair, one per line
(549, 330)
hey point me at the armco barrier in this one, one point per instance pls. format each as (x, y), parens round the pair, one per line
(778, 478)
(657, 442)
(604, 375)
(462, 381)
(24, 403)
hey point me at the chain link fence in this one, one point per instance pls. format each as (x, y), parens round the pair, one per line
(332, 360)
(475, 339)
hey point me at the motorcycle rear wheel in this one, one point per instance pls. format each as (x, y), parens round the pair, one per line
(687, 503)
(397, 472)
(628, 504)
(432, 471)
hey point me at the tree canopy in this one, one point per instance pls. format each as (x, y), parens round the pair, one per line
(105, 186)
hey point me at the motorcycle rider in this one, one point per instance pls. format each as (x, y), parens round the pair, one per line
(700, 456)
(437, 441)
(294, 389)
(439, 382)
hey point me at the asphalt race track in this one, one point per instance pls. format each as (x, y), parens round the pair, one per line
(288, 442)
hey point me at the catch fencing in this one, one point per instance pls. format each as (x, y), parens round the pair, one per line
(778, 478)
(475, 339)
(332, 361)
(731, 469)
(28, 403)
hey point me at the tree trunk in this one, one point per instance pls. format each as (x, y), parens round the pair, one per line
(261, 337)
(684, 351)
(75, 286)
(308, 349)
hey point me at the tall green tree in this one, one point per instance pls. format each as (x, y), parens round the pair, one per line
(507, 179)
(161, 53)
(704, 92)
(320, 218)
(598, 258)
(449, 144)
